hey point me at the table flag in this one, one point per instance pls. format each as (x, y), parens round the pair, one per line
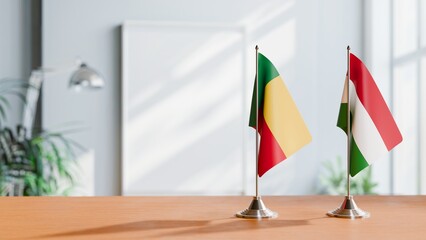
(374, 131)
(281, 127)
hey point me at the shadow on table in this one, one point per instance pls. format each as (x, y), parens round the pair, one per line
(132, 226)
(195, 226)
(238, 225)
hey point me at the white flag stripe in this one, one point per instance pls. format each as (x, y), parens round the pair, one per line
(364, 131)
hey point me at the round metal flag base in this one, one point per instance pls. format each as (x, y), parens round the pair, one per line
(257, 209)
(349, 209)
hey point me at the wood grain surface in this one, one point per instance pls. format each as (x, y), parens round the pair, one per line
(300, 217)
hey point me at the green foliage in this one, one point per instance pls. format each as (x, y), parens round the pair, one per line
(334, 180)
(33, 166)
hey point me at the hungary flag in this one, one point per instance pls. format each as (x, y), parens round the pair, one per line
(374, 131)
(281, 127)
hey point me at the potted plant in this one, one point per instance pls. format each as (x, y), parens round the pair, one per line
(32, 166)
(333, 180)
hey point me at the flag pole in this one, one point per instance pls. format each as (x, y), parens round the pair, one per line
(348, 209)
(349, 130)
(257, 122)
(257, 208)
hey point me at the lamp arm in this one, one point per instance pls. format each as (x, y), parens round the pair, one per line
(84, 76)
(57, 70)
(33, 94)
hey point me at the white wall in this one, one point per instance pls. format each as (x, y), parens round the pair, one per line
(15, 48)
(305, 39)
(394, 58)
(377, 57)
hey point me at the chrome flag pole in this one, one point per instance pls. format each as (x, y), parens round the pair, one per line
(348, 209)
(257, 208)
(257, 121)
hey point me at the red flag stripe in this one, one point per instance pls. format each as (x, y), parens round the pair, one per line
(372, 100)
(270, 152)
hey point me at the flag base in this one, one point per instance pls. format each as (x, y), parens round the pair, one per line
(348, 209)
(257, 209)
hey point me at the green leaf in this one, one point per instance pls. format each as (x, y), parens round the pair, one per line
(30, 180)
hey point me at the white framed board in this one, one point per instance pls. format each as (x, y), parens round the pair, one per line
(183, 109)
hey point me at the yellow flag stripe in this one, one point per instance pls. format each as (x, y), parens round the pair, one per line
(283, 118)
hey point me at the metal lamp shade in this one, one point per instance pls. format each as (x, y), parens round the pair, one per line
(86, 77)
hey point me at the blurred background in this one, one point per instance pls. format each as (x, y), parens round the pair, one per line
(172, 116)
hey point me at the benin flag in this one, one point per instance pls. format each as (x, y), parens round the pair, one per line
(374, 131)
(281, 128)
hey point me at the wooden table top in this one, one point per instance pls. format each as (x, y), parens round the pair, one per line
(300, 217)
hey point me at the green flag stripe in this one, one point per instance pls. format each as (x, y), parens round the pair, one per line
(358, 161)
(342, 120)
(266, 69)
(267, 72)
